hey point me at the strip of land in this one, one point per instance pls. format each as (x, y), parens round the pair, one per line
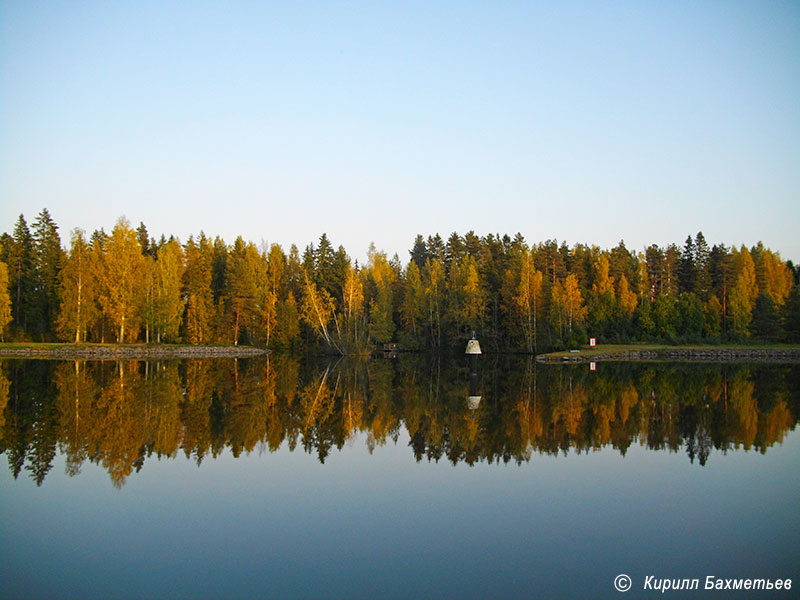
(125, 351)
(784, 353)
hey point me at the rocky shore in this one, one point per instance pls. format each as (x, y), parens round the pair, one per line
(681, 354)
(103, 352)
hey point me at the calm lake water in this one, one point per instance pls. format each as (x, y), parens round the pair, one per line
(271, 478)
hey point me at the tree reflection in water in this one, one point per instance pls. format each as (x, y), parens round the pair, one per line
(118, 414)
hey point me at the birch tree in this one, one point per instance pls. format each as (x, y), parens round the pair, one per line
(317, 312)
(5, 301)
(744, 293)
(197, 290)
(169, 305)
(527, 300)
(413, 306)
(434, 296)
(353, 309)
(626, 299)
(78, 291)
(382, 278)
(121, 280)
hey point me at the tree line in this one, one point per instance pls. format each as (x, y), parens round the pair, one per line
(126, 287)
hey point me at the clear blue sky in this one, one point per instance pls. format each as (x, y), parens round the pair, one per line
(586, 122)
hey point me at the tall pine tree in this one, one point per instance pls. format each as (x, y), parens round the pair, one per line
(22, 278)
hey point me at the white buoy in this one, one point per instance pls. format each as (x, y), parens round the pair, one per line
(473, 347)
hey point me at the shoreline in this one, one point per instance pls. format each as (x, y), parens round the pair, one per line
(125, 351)
(611, 352)
(676, 354)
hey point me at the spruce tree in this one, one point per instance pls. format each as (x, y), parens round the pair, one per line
(702, 260)
(687, 269)
(21, 277)
(48, 261)
(419, 252)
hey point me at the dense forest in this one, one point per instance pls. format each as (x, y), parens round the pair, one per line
(126, 287)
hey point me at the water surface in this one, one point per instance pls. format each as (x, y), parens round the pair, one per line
(272, 478)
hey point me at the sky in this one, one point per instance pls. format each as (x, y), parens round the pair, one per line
(585, 122)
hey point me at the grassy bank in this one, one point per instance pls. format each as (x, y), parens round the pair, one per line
(680, 352)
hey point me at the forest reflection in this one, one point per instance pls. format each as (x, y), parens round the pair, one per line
(119, 414)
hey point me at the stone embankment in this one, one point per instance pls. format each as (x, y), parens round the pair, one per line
(704, 355)
(92, 352)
